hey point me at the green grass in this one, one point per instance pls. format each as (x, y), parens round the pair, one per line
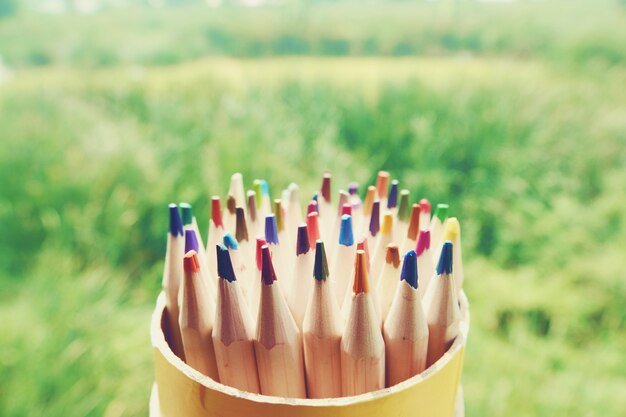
(528, 149)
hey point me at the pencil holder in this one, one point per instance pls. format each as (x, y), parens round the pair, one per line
(180, 391)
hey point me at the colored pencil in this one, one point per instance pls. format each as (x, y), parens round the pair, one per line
(424, 214)
(424, 260)
(232, 335)
(382, 186)
(436, 225)
(385, 237)
(402, 218)
(322, 329)
(452, 233)
(412, 232)
(342, 267)
(300, 286)
(405, 329)
(388, 281)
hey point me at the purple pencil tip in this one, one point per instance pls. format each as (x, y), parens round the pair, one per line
(176, 224)
(191, 240)
(302, 245)
(375, 219)
(271, 231)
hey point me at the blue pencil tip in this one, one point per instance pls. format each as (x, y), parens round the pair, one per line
(176, 225)
(445, 259)
(392, 198)
(302, 245)
(224, 265)
(271, 232)
(265, 188)
(230, 242)
(346, 237)
(320, 268)
(191, 240)
(409, 269)
(315, 197)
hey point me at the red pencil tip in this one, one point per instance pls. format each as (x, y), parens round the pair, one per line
(190, 262)
(312, 228)
(259, 244)
(216, 211)
(268, 276)
(425, 205)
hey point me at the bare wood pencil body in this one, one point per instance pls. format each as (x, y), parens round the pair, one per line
(362, 345)
(197, 318)
(233, 339)
(322, 328)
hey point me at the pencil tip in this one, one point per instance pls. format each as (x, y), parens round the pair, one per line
(265, 188)
(176, 225)
(268, 276)
(231, 204)
(191, 241)
(403, 207)
(392, 199)
(278, 214)
(409, 269)
(453, 229)
(312, 207)
(224, 265)
(252, 205)
(230, 242)
(260, 242)
(382, 182)
(361, 279)
(271, 232)
(190, 262)
(325, 189)
(393, 255)
(303, 245)
(187, 214)
(441, 212)
(216, 211)
(387, 226)
(312, 228)
(414, 223)
(320, 269)
(445, 259)
(346, 209)
(425, 205)
(346, 236)
(423, 242)
(241, 229)
(353, 188)
(375, 218)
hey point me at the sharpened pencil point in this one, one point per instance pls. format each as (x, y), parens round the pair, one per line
(265, 188)
(187, 214)
(425, 205)
(271, 232)
(176, 225)
(392, 199)
(268, 276)
(346, 237)
(346, 209)
(423, 242)
(230, 242)
(361, 278)
(224, 265)
(216, 211)
(320, 269)
(252, 205)
(442, 212)
(325, 189)
(387, 226)
(403, 207)
(393, 255)
(241, 229)
(278, 213)
(231, 204)
(453, 229)
(190, 262)
(370, 196)
(303, 245)
(382, 182)
(191, 241)
(445, 259)
(409, 269)
(257, 192)
(375, 218)
(260, 242)
(353, 188)
(414, 223)
(312, 228)
(312, 207)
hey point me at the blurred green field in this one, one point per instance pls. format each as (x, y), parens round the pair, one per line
(526, 141)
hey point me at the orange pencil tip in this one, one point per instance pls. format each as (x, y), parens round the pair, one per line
(361, 278)
(190, 262)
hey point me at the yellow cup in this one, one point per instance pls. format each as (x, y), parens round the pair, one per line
(180, 391)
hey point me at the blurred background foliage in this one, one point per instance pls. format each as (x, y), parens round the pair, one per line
(514, 113)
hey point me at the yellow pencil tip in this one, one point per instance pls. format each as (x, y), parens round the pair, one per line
(453, 229)
(387, 224)
(361, 278)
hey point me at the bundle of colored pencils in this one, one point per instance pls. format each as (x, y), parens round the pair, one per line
(285, 305)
